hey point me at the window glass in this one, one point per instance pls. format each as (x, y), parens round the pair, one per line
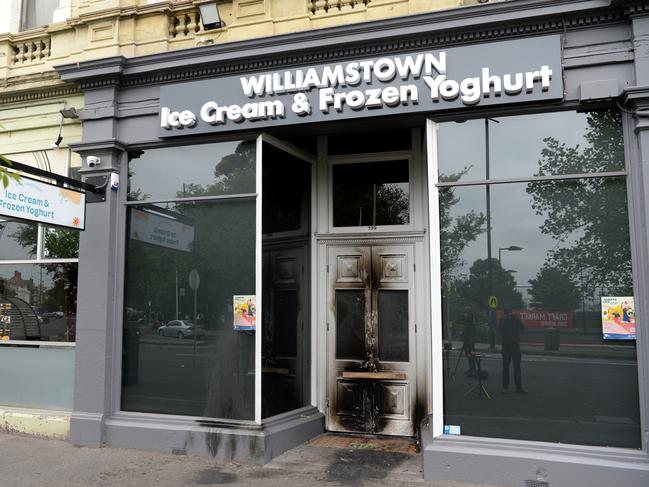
(38, 301)
(38, 13)
(522, 304)
(285, 346)
(393, 325)
(531, 145)
(371, 194)
(285, 188)
(17, 240)
(61, 244)
(350, 324)
(182, 351)
(199, 170)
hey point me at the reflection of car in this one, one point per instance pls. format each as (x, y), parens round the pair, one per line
(180, 329)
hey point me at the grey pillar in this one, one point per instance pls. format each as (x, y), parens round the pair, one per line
(636, 100)
(98, 316)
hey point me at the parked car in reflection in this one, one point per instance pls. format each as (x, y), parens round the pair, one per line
(181, 329)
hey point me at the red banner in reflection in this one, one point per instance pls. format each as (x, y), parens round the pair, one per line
(537, 318)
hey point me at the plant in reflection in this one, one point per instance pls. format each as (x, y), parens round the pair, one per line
(552, 289)
(233, 174)
(62, 244)
(224, 256)
(456, 231)
(477, 289)
(355, 208)
(371, 194)
(26, 234)
(59, 244)
(587, 217)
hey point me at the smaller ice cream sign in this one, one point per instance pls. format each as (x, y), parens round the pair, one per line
(618, 318)
(29, 199)
(245, 312)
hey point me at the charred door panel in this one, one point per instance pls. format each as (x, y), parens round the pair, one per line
(371, 331)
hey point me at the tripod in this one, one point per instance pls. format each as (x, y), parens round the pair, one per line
(481, 389)
(466, 347)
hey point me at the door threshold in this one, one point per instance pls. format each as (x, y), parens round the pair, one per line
(360, 441)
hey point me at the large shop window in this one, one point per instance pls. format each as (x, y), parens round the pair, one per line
(191, 314)
(38, 270)
(535, 257)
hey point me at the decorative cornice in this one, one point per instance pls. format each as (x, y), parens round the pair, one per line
(636, 100)
(635, 96)
(641, 8)
(113, 146)
(486, 22)
(32, 95)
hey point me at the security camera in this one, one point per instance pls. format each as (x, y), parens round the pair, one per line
(93, 161)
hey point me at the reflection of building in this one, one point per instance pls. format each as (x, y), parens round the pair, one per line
(351, 305)
(19, 287)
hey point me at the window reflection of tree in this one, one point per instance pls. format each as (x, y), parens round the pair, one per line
(588, 218)
(224, 250)
(61, 296)
(457, 231)
(371, 194)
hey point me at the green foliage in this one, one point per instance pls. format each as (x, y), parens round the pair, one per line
(62, 244)
(552, 289)
(587, 217)
(478, 287)
(456, 231)
(5, 175)
(223, 248)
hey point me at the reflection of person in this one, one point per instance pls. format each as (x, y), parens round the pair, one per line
(468, 345)
(510, 334)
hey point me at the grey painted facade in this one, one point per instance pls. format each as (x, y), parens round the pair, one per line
(605, 56)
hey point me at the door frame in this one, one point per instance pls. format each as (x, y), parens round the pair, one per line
(417, 235)
(311, 159)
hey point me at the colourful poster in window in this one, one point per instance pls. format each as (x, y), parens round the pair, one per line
(5, 321)
(618, 318)
(245, 312)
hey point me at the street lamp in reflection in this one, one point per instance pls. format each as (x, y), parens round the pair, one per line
(511, 248)
(492, 316)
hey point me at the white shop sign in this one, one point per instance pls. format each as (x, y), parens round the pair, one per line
(32, 200)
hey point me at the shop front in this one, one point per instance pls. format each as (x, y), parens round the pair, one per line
(371, 236)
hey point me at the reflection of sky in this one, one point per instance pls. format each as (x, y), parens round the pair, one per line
(515, 149)
(10, 247)
(515, 143)
(513, 223)
(161, 173)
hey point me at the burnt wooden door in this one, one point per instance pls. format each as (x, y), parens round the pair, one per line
(371, 340)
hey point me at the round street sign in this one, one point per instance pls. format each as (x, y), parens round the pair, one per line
(493, 302)
(194, 280)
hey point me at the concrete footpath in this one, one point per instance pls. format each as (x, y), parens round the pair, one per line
(35, 462)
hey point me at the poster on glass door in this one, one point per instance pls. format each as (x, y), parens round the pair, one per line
(618, 318)
(245, 312)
